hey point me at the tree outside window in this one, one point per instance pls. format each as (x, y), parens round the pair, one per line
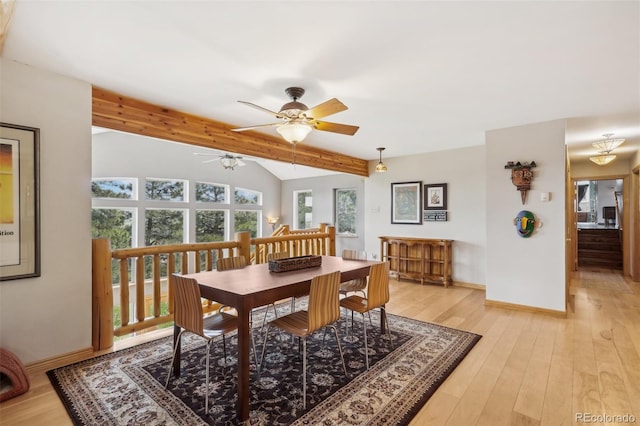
(247, 196)
(345, 214)
(247, 220)
(211, 192)
(165, 189)
(303, 208)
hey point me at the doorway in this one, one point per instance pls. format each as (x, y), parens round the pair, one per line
(599, 220)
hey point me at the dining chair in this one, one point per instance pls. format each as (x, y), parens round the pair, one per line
(323, 311)
(278, 255)
(188, 315)
(239, 262)
(377, 297)
(357, 285)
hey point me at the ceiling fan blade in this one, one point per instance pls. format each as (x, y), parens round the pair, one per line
(268, 111)
(344, 129)
(240, 162)
(210, 161)
(242, 129)
(332, 106)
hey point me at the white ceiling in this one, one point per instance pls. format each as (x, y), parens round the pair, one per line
(417, 76)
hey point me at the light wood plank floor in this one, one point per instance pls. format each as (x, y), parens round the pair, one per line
(528, 369)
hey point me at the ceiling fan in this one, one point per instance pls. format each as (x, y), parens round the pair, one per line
(228, 161)
(297, 120)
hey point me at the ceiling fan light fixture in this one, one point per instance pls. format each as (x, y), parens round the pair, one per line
(294, 132)
(380, 167)
(602, 159)
(229, 162)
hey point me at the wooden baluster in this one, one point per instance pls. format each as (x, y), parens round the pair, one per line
(140, 289)
(156, 285)
(170, 271)
(124, 291)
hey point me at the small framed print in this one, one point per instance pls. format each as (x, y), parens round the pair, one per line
(406, 202)
(435, 196)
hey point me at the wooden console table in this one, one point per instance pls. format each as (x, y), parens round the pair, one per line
(420, 259)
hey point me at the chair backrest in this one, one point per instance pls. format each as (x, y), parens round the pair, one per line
(187, 304)
(324, 302)
(277, 255)
(235, 262)
(378, 291)
(353, 254)
(357, 283)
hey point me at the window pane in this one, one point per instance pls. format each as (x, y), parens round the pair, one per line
(209, 192)
(163, 227)
(167, 190)
(304, 208)
(246, 221)
(246, 196)
(209, 225)
(112, 188)
(346, 211)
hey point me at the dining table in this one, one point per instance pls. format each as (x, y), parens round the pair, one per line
(255, 286)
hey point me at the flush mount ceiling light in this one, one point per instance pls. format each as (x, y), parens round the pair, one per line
(380, 167)
(607, 145)
(602, 159)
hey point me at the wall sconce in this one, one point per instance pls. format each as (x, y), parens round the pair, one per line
(273, 221)
(380, 167)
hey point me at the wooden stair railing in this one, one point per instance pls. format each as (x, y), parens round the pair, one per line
(151, 291)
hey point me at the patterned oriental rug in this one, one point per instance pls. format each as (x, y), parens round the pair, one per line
(127, 387)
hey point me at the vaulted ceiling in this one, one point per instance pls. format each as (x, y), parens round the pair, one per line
(417, 76)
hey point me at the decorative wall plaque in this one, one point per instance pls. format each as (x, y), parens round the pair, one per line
(521, 176)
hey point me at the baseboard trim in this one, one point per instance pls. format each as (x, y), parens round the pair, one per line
(60, 360)
(469, 285)
(524, 308)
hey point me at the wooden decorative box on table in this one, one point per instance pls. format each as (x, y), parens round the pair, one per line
(294, 263)
(420, 259)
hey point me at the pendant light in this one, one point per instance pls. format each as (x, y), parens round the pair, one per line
(380, 167)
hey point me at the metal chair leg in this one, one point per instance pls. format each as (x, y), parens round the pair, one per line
(175, 351)
(304, 374)
(366, 345)
(206, 387)
(344, 366)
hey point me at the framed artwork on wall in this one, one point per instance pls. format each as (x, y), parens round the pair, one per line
(406, 203)
(19, 202)
(435, 196)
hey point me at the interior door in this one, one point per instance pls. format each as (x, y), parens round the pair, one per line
(571, 229)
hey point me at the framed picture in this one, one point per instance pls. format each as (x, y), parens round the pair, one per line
(406, 203)
(435, 196)
(19, 202)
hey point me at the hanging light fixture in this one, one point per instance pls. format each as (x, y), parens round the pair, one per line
(229, 161)
(607, 145)
(380, 167)
(294, 132)
(603, 159)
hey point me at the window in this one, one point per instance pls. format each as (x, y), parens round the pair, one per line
(114, 188)
(165, 189)
(247, 196)
(211, 192)
(302, 209)
(247, 220)
(210, 225)
(345, 214)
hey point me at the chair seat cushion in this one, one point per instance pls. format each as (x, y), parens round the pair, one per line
(355, 303)
(295, 323)
(218, 324)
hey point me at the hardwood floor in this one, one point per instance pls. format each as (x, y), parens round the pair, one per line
(528, 368)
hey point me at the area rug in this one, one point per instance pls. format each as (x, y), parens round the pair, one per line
(127, 387)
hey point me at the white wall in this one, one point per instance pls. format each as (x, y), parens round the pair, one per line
(322, 189)
(526, 271)
(117, 154)
(463, 171)
(51, 315)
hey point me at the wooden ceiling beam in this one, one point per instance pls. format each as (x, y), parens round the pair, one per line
(118, 112)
